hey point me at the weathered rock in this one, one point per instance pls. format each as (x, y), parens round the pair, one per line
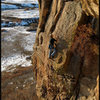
(75, 65)
(97, 89)
(91, 7)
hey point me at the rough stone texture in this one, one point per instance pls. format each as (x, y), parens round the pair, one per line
(91, 7)
(72, 73)
(97, 89)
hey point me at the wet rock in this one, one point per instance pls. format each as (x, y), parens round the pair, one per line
(28, 58)
(33, 27)
(3, 30)
(21, 22)
(9, 6)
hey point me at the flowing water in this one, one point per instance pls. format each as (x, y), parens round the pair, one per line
(17, 16)
(19, 21)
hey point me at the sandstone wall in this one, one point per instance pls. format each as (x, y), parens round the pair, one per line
(72, 73)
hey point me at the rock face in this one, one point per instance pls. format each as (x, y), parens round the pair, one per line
(91, 7)
(72, 73)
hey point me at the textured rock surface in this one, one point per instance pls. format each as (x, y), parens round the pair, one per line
(91, 7)
(72, 73)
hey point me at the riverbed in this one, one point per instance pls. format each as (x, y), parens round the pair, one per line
(19, 21)
(17, 17)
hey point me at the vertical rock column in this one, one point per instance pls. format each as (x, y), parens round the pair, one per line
(59, 78)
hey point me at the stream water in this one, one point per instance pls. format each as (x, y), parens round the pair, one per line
(17, 16)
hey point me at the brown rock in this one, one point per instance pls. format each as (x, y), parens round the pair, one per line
(91, 7)
(72, 73)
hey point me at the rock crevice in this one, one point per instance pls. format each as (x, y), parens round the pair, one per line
(72, 73)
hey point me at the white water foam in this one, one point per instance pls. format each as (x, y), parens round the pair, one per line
(14, 61)
(21, 1)
(17, 58)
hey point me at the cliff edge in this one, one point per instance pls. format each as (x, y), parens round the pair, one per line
(73, 72)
